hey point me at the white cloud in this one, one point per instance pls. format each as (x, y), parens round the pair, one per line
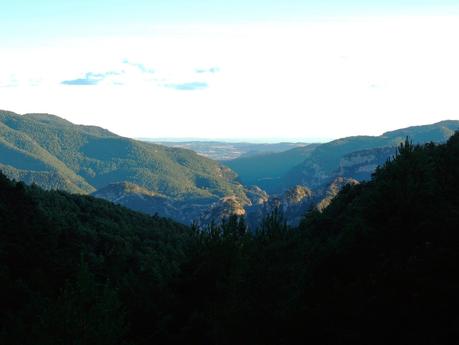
(312, 79)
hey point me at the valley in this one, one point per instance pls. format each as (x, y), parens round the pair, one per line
(245, 172)
(224, 150)
(176, 182)
(373, 256)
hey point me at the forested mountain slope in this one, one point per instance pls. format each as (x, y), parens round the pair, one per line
(324, 162)
(178, 183)
(319, 164)
(68, 261)
(90, 158)
(379, 265)
(56, 154)
(266, 170)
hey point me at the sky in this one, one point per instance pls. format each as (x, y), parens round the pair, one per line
(253, 70)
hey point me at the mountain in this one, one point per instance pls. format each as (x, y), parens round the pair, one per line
(266, 170)
(24, 153)
(361, 164)
(184, 210)
(57, 154)
(326, 162)
(388, 254)
(223, 151)
(185, 186)
(319, 164)
(379, 266)
(294, 203)
(64, 258)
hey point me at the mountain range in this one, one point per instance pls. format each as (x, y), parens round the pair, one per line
(317, 164)
(376, 263)
(56, 154)
(186, 186)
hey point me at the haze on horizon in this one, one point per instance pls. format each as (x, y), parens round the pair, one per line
(240, 69)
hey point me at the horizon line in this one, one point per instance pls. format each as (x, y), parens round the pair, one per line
(236, 140)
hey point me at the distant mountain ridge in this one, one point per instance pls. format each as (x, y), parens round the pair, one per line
(180, 184)
(266, 170)
(57, 154)
(325, 162)
(319, 164)
(224, 151)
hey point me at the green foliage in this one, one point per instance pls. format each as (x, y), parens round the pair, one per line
(389, 251)
(323, 162)
(83, 313)
(129, 259)
(55, 153)
(312, 164)
(378, 266)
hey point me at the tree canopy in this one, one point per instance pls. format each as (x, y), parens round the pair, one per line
(378, 266)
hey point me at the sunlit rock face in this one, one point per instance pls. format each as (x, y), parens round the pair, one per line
(297, 194)
(294, 203)
(332, 191)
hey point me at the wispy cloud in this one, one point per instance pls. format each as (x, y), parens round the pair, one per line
(128, 72)
(191, 86)
(91, 78)
(81, 81)
(120, 76)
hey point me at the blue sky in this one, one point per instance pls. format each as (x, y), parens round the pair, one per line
(29, 19)
(232, 69)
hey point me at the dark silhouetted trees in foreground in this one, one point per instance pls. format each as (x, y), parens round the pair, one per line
(379, 266)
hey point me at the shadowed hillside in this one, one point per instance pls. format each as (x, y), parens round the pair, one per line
(323, 164)
(379, 266)
(319, 164)
(56, 154)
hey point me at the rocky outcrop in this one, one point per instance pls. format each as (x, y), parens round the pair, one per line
(223, 209)
(297, 194)
(333, 190)
(361, 164)
(294, 203)
(140, 199)
(257, 196)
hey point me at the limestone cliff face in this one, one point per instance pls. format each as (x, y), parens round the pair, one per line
(297, 195)
(358, 156)
(293, 203)
(361, 164)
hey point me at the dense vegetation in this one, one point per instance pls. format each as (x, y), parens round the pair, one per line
(380, 265)
(315, 165)
(265, 170)
(52, 152)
